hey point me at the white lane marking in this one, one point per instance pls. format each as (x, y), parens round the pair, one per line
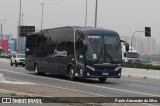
(54, 86)
(3, 64)
(58, 87)
(149, 104)
(137, 85)
(21, 93)
(87, 84)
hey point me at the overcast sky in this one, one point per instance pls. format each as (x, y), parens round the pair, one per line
(123, 16)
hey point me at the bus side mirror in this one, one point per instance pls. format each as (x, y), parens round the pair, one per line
(85, 44)
(82, 44)
(126, 45)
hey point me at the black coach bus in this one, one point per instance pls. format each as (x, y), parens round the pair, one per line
(77, 52)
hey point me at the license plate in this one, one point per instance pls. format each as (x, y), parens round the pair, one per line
(104, 73)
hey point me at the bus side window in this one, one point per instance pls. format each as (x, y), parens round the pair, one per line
(79, 47)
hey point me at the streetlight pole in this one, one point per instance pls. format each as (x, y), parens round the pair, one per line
(86, 13)
(22, 19)
(42, 16)
(1, 37)
(17, 30)
(95, 25)
(1, 31)
(2, 28)
(18, 38)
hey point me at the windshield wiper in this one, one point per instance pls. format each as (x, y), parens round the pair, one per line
(110, 57)
(99, 55)
(106, 53)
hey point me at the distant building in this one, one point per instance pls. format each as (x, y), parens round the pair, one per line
(144, 46)
(158, 49)
(12, 45)
(6, 43)
(150, 46)
(6, 37)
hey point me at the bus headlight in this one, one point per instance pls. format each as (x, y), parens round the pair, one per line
(81, 71)
(117, 68)
(90, 67)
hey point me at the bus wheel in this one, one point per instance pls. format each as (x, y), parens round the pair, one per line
(71, 74)
(102, 79)
(36, 70)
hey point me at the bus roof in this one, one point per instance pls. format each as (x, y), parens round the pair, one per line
(97, 31)
(85, 30)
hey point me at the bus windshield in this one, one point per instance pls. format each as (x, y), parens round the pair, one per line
(103, 49)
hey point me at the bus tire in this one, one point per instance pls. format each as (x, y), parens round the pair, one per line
(102, 79)
(71, 74)
(36, 68)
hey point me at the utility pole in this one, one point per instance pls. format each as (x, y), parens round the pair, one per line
(1, 37)
(42, 16)
(18, 38)
(17, 34)
(1, 32)
(86, 13)
(22, 19)
(95, 25)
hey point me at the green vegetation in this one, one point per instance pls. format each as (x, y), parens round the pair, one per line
(5, 57)
(142, 66)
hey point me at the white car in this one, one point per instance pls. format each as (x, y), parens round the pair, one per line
(17, 59)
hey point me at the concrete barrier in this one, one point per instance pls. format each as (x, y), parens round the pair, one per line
(143, 73)
(1, 77)
(4, 60)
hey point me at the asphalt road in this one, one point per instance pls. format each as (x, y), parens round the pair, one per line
(123, 87)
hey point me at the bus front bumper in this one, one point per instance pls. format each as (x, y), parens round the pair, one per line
(103, 74)
(100, 74)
